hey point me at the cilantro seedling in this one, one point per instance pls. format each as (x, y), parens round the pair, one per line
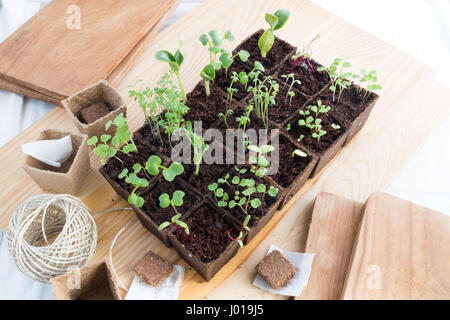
(174, 60)
(176, 201)
(198, 144)
(290, 78)
(310, 118)
(109, 146)
(369, 81)
(304, 54)
(276, 21)
(137, 183)
(259, 162)
(338, 76)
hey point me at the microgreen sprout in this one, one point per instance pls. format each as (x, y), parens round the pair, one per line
(299, 153)
(290, 78)
(276, 21)
(311, 119)
(198, 144)
(369, 81)
(335, 126)
(259, 162)
(218, 56)
(153, 167)
(121, 141)
(339, 78)
(174, 60)
(137, 183)
(176, 201)
(304, 54)
(264, 91)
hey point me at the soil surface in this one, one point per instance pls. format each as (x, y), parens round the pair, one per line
(289, 168)
(94, 112)
(285, 105)
(151, 204)
(312, 81)
(207, 175)
(279, 50)
(266, 200)
(223, 80)
(350, 105)
(325, 141)
(152, 139)
(209, 234)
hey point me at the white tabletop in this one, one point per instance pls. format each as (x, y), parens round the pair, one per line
(419, 27)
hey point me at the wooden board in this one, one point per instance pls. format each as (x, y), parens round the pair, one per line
(402, 252)
(332, 233)
(392, 135)
(60, 62)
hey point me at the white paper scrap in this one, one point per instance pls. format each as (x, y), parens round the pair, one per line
(302, 263)
(168, 290)
(52, 152)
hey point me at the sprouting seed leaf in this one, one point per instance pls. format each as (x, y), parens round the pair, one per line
(164, 200)
(265, 42)
(228, 35)
(123, 174)
(259, 66)
(243, 55)
(255, 203)
(204, 39)
(163, 225)
(273, 191)
(177, 198)
(272, 20)
(92, 141)
(208, 73)
(283, 16)
(261, 188)
(212, 186)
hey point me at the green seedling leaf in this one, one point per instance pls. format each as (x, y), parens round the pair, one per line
(228, 35)
(215, 38)
(261, 188)
(204, 39)
(243, 55)
(123, 174)
(92, 141)
(164, 225)
(255, 203)
(164, 201)
(208, 73)
(265, 42)
(175, 217)
(272, 20)
(177, 198)
(283, 16)
(212, 186)
(273, 191)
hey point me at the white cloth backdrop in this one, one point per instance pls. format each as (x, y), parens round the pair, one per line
(419, 27)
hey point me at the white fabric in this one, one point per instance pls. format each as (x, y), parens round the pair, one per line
(51, 152)
(421, 28)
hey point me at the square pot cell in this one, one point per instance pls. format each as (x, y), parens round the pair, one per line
(327, 146)
(277, 53)
(287, 102)
(96, 282)
(209, 245)
(354, 107)
(70, 176)
(223, 80)
(92, 102)
(205, 108)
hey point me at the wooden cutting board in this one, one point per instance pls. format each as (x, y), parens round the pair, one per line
(334, 224)
(44, 58)
(394, 132)
(402, 252)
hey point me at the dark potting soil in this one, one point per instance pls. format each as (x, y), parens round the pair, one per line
(311, 81)
(288, 167)
(285, 105)
(350, 105)
(279, 50)
(208, 234)
(151, 205)
(94, 112)
(223, 80)
(153, 140)
(325, 141)
(115, 166)
(266, 200)
(208, 174)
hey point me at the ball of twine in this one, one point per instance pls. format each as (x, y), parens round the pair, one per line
(44, 215)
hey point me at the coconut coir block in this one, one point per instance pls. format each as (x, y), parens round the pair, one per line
(153, 269)
(275, 269)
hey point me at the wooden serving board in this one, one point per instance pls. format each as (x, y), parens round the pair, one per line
(332, 233)
(59, 62)
(393, 133)
(402, 252)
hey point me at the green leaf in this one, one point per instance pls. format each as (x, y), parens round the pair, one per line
(179, 58)
(273, 191)
(232, 204)
(164, 200)
(177, 168)
(123, 174)
(208, 73)
(183, 225)
(222, 204)
(175, 217)
(243, 55)
(283, 16)
(164, 56)
(204, 39)
(266, 148)
(92, 141)
(215, 38)
(228, 35)
(177, 198)
(139, 202)
(272, 20)
(259, 66)
(255, 203)
(105, 138)
(168, 175)
(261, 188)
(164, 225)
(243, 78)
(212, 186)
(235, 180)
(219, 192)
(225, 60)
(265, 42)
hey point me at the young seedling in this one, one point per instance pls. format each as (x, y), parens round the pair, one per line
(198, 144)
(264, 91)
(276, 21)
(299, 153)
(234, 79)
(311, 119)
(153, 167)
(259, 162)
(339, 78)
(290, 78)
(369, 81)
(335, 126)
(177, 201)
(218, 56)
(304, 54)
(174, 60)
(133, 179)
(121, 141)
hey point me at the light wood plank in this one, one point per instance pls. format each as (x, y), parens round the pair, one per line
(401, 252)
(331, 236)
(392, 135)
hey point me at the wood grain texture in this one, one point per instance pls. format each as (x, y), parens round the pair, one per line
(401, 252)
(332, 233)
(393, 133)
(45, 56)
